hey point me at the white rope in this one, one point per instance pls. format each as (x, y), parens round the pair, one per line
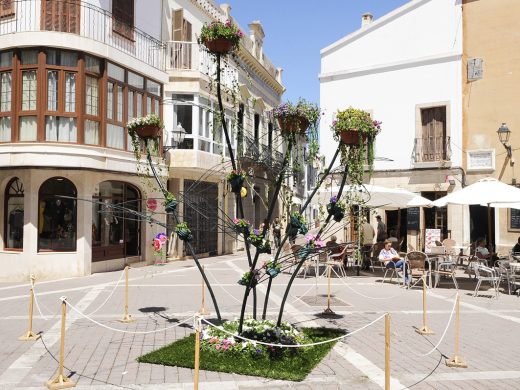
(109, 295)
(442, 337)
(296, 345)
(126, 331)
(215, 280)
(45, 318)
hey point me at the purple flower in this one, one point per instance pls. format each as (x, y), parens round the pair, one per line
(333, 199)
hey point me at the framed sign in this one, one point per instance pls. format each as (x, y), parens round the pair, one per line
(514, 220)
(413, 215)
(481, 160)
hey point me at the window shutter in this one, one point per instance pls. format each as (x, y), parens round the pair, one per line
(123, 17)
(61, 16)
(6, 8)
(177, 19)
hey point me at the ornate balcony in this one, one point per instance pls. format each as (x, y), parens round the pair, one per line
(431, 149)
(260, 154)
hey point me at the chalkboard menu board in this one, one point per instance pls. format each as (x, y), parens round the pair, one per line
(413, 218)
(514, 219)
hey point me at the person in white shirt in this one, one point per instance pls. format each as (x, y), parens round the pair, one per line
(391, 258)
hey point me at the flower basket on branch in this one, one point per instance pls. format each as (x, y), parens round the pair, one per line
(296, 118)
(272, 269)
(146, 127)
(170, 203)
(183, 231)
(336, 208)
(220, 38)
(250, 278)
(236, 180)
(354, 126)
(241, 226)
(298, 224)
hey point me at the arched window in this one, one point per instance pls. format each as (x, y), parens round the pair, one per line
(57, 215)
(115, 229)
(13, 222)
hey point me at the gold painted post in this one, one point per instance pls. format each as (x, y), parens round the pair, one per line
(387, 351)
(457, 361)
(60, 381)
(197, 353)
(127, 317)
(328, 310)
(30, 335)
(424, 330)
(203, 311)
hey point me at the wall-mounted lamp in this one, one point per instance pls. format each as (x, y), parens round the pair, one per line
(178, 135)
(503, 135)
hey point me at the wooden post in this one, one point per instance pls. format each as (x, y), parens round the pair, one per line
(424, 330)
(328, 311)
(126, 317)
(197, 353)
(457, 361)
(60, 381)
(30, 335)
(387, 351)
(203, 311)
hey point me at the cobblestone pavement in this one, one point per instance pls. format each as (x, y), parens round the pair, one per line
(162, 297)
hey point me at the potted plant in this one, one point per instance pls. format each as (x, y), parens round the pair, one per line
(354, 126)
(170, 203)
(296, 118)
(250, 278)
(297, 224)
(241, 226)
(272, 268)
(236, 180)
(336, 208)
(313, 242)
(257, 240)
(220, 38)
(149, 126)
(183, 231)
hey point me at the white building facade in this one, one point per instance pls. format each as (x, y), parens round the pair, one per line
(405, 69)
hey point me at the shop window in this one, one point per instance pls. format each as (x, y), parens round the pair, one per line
(57, 215)
(14, 211)
(115, 230)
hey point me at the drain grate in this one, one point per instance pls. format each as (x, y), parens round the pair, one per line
(321, 300)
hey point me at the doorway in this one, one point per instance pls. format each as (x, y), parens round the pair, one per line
(478, 223)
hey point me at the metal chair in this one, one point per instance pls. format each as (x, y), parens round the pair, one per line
(486, 274)
(307, 264)
(447, 269)
(337, 260)
(416, 263)
(504, 273)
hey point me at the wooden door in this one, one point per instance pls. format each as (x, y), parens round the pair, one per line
(61, 15)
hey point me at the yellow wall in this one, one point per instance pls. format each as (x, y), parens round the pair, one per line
(491, 30)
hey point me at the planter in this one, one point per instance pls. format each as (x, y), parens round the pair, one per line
(242, 230)
(185, 235)
(264, 249)
(338, 215)
(331, 208)
(221, 45)
(148, 131)
(296, 224)
(272, 272)
(171, 206)
(236, 184)
(304, 252)
(293, 124)
(351, 137)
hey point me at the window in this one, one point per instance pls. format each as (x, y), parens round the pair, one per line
(5, 91)
(92, 96)
(181, 32)
(432, 142)
(6, 60)
(29, 90)
(7, 8)
(61, 16)
(115, 232)
(184, 114)
(14, 209)
(60, 129)
(92, 101)
(123, 17)
(57, 215)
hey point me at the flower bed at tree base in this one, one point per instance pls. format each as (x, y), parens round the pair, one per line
(293, 364)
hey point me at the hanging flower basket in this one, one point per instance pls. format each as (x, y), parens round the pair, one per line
(241, 226)
(272, 272)
(146, 127)
(220, 45)
(338, 215)
(250, 278)
(236, 180)
(184, 232)
(293, 124)
(149, 131)
(351, 137)
(264, 247)
(171, 205)
(298, 223)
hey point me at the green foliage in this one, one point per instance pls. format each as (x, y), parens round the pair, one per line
(218, 30)
(357, 120)
(294, 363)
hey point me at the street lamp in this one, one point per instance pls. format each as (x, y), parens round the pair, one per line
(178, 135)
(503, 135)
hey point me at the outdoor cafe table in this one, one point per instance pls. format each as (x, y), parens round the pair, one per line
(515, 272)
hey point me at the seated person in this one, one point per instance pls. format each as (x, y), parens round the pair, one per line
(482, 252)
(333, 246)
(391, 259)
(392, 237)
(516, 248)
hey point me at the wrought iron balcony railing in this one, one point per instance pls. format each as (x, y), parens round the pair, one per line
(431, 149)
(83, 19)
(259, 153)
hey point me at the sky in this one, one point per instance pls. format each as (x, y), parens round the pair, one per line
(296, 31)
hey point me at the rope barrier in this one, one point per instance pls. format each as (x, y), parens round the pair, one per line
(442, 337)
(126, 331)
(45, 318)
(109, 295)
(295, 345)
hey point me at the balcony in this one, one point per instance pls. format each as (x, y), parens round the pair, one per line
(82, 19)
(431, 150)
(190, 56)
(260, 154)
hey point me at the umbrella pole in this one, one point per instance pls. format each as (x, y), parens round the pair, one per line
(489, 225)
(399, 225)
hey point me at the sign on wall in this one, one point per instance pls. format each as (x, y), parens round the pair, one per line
(514, 220)
(431, 235)
(475, 69)
(481, 160)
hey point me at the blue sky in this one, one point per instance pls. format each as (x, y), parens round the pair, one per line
(296, 31)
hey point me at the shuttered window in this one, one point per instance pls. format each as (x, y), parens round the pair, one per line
(6, 8)
(433, 137)
(123, 17)
(63, 16)
(181, 32)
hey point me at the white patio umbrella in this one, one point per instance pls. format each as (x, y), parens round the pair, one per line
(488, 191)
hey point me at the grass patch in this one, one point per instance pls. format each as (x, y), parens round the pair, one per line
(294, 365)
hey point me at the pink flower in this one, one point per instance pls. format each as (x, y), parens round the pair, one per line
(217, 347)
(157, 244)
(225, 347)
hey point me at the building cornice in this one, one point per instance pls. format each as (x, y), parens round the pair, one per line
(260, 70)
